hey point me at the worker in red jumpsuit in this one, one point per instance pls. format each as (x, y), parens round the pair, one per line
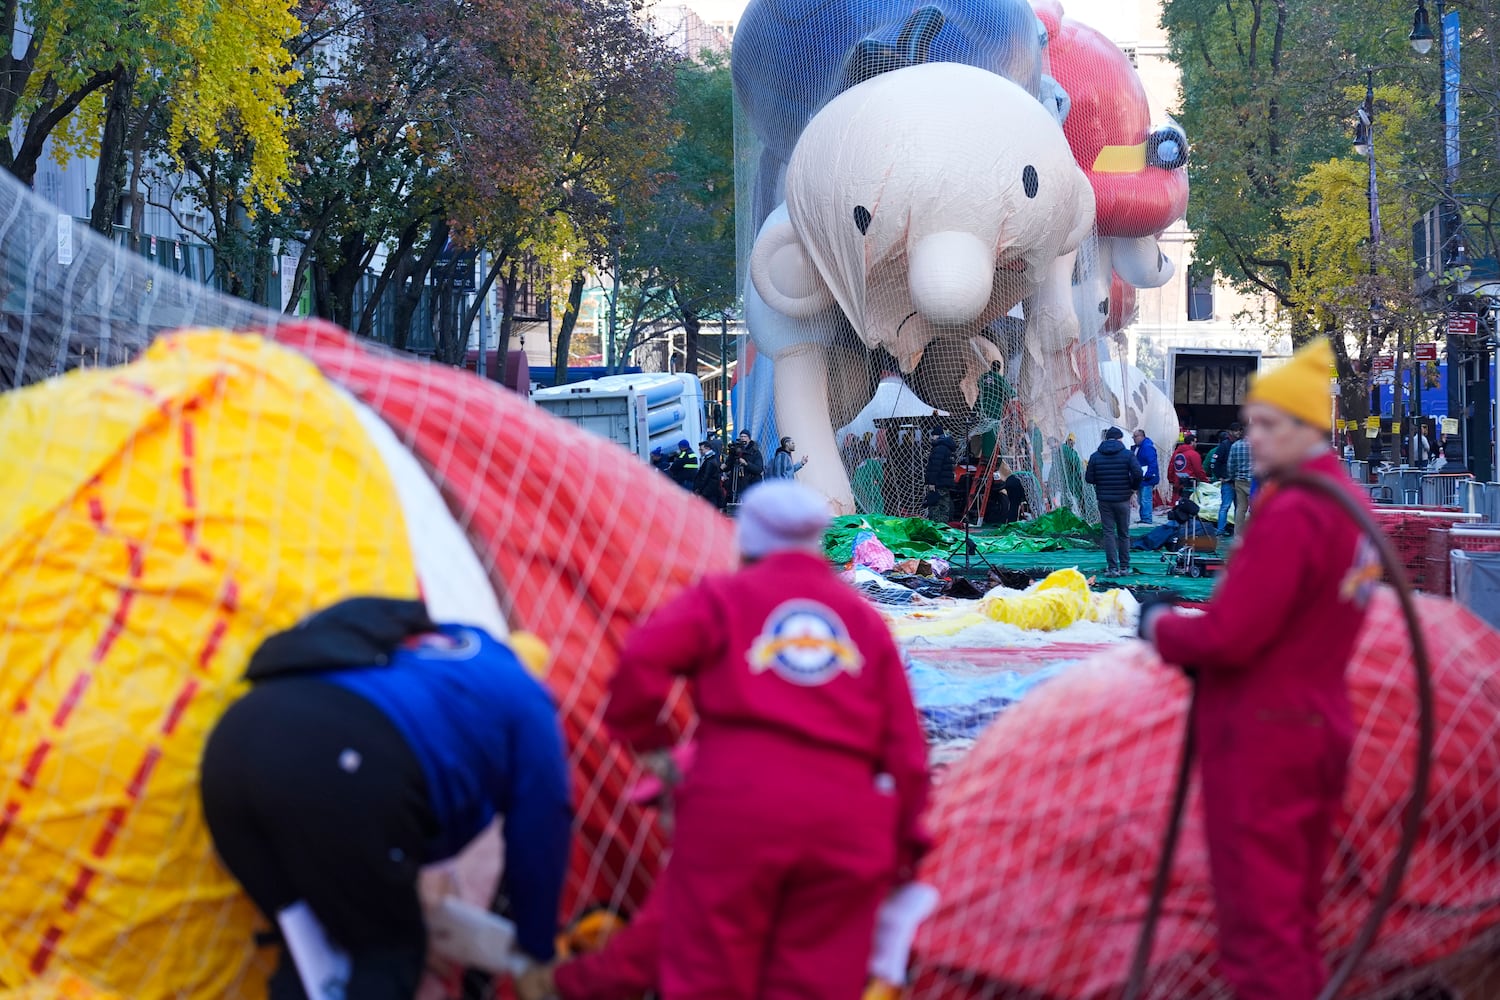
(803, 807)
(1274, 725)
(1187, 466)
(624, 964)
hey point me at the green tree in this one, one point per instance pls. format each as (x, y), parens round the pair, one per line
(677, 261)
(1269, 96)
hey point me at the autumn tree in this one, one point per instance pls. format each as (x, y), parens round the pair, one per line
(678, 249)
(401, 98)
(1279, 206)
(1343, 282)
(609, 135)
(94, 75)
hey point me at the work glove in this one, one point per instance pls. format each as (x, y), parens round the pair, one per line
(1153, 606)
(896, 926)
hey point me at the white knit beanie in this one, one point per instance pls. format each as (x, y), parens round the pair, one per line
(780, 515)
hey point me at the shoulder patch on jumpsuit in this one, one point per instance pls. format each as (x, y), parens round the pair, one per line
(1365, 572)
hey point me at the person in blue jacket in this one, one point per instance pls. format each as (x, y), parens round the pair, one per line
(1144, 451)
(372, 742)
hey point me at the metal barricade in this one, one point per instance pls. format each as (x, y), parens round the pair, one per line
(1403, 486)
(1440, 489)
(1472, 496)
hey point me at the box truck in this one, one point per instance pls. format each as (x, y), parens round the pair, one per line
(1208, 387)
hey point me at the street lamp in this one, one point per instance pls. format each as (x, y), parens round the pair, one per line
(1363, 144)
(1421, 36)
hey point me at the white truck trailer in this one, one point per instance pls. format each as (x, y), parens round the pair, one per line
(638, 412)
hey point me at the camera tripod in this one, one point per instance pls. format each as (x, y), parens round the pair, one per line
(979, 488)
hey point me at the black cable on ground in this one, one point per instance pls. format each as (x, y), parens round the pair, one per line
(1416, 800)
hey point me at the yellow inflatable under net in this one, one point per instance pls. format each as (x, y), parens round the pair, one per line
(117, 584)
(1061, 599)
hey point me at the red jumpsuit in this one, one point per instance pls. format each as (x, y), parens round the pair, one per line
(803, 807)
(1186, 462)
(1275, 728)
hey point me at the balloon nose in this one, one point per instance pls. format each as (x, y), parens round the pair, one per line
(951, 277)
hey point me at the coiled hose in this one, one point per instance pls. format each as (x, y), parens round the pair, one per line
(1416, 800)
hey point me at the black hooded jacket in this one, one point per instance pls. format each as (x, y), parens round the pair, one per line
(1113, 472)
(940, 462)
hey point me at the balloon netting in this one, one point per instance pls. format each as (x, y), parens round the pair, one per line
(1038, 353)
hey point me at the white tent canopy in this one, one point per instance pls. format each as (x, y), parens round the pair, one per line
(893, 400)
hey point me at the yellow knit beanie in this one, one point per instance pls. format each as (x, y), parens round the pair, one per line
(1300, 387)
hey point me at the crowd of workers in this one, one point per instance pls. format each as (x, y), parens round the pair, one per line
(373, 741)
(723, 479)
(1125, 479)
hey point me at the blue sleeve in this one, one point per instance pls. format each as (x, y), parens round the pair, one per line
(537, 806)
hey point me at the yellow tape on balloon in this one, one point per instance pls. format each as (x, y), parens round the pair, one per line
(158, 521)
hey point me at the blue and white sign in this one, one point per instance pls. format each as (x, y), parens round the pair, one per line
(1450, 93)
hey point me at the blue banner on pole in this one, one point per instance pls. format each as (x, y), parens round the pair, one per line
(1450, 93)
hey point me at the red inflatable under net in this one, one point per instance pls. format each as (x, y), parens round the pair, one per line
(1049, 830)
(578, 544)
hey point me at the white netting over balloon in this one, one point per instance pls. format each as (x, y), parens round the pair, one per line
(962, 195)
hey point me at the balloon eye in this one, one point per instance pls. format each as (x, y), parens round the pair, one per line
(1029, 181)
(1166, 147)
(862, 218)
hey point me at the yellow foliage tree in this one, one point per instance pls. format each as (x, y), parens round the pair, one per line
(95, 70)
(1359, 294)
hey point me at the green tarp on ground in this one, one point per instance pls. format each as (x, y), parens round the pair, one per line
(916, 538)
(1150, 571)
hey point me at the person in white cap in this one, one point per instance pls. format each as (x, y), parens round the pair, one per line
(803, 807)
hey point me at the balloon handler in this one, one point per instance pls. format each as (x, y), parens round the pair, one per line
(1274, 724)
(603, 958)
(803, 807)
(372, 742)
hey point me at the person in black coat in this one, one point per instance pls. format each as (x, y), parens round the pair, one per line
(747, 466)
(939, 478)
(709, 483)
(684, 466)
(1116, 477)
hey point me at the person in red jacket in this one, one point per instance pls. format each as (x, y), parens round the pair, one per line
(803, 807)
(628, 963)
(1274, 724)
(1186, 465)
